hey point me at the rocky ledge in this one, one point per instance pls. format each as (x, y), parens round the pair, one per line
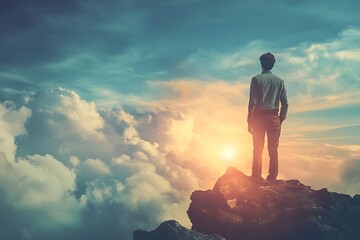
(242, 208)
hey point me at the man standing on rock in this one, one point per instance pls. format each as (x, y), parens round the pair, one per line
(266, 91)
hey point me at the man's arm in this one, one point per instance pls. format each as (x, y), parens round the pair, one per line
(252, 101)
(284, 104)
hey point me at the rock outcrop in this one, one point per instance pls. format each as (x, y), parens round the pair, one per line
(172, 230)
(242, 208)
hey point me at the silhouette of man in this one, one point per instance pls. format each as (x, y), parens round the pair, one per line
(266, 91)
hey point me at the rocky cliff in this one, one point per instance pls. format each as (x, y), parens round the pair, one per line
(239, 207)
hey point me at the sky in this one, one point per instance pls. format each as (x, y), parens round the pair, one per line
(113, 112)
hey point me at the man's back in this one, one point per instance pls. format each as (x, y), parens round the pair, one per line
(266, 91)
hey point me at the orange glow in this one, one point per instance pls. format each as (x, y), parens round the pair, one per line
(209, 133)
(206, 132)
(228, 153)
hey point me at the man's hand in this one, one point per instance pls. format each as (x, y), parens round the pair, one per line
(281, 120)
(250, 129)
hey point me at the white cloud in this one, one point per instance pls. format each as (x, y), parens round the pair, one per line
(353, 151)
(323, 72)
(62, 124)
(141, 184)
(126, 117)
(12, 122)
(39, 191)
(94, 168)
(181, 133)
(81, 115)
(349, 173)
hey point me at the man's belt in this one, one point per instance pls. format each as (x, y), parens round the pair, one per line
(266, 112)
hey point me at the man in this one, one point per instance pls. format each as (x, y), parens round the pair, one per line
(266, 91)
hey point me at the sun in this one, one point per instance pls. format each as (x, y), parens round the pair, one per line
(228, 153)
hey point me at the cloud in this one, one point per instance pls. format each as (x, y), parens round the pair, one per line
(134, 185)
(36, 198)
(63, 124)
(349, 176)
(350, 172)
(36, 191)
(76, 110)
(91, 169)
(12, 122)
(325, 72)
(350, 151)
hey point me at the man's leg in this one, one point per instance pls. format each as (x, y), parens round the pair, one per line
(273, 134)
(258, 144)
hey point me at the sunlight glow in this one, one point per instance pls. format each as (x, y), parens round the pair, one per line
(228, 153)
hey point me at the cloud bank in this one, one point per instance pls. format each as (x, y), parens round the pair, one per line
(61, 193)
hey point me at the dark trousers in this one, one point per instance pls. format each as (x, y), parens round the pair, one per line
(261, 124)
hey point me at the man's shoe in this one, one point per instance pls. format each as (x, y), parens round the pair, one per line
(270, 178)
(258, 178)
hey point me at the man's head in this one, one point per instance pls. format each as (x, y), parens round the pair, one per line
(267, 61)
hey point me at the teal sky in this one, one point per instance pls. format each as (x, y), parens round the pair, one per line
(112, 112)
(89, 46)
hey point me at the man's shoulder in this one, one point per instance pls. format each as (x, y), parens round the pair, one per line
(268, 75)
(256, 76)
(276, 76)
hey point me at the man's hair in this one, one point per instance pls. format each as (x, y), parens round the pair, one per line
(267, 61)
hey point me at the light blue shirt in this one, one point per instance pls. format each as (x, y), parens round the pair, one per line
(266, 91)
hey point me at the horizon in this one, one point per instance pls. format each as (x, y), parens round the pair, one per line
(113, 113)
